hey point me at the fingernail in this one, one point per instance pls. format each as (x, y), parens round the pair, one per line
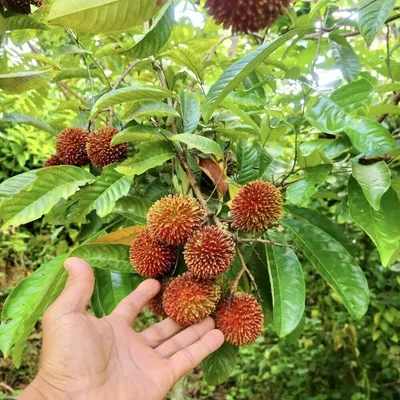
(68, 264)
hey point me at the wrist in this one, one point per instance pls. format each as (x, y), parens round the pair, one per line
(41, 389)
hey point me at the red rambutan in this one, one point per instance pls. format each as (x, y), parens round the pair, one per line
(173, 219)
(71, 146)
(256, 207)
(209, 252)
(52, 161)
(188, 300)
(239, 318)
(20, 6)
(155, 305)
(99, 147)
(149, 257)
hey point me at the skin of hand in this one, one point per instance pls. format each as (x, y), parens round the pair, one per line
(84, 357)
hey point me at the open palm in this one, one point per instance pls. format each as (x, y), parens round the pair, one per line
(89, 358)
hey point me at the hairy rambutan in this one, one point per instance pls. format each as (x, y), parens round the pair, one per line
(246, 15)
(239, 318)
(188, 300)
(52, 161)
(209, 252)
(20, 6)
(173, 219)
(155, 305)
(99, 147)
(256, 207)
(71, 146)
(149, 257)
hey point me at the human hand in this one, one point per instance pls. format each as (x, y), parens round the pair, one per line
(84, 357)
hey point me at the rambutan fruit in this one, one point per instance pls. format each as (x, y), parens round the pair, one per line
(239, 318)
(246, 15)
(155, 305)
(173, 219)
(99, 147)
(209, 252)
(149, 257)
(52, 161)
(188, 300)
(256, 207)
(71, 146)
(20, 6)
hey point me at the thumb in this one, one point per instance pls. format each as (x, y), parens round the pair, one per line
(78, 289)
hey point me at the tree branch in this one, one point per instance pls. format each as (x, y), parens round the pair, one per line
(265, 241)
(395, 101)
(124, 75)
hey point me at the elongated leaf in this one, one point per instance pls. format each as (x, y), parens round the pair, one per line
(14, 185)
(346, 59)
(371, 17)
(27, 302)
(138, 91)
(140, 133)
(22, 22)
(227, 103)
(334, 263)
(190, 110)
(15, 118)
(381, 226)
(218, 366)
(248, 157)
(287, 284)
(111, 257)
(101, 15)
(111, 287)
(185, 57)
(374, 180)
(20, 82)
(205, 145)
(51, 185)
(301, 191)
(122, 236)
(155, 109)
(149, 156)
(238, 71)
(3, 24)
(133, 208)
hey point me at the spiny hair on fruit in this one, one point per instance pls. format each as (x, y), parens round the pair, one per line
(21, 6)
(209, 252)
(239, 318)
(174, 218)
(52, 161)
(71, 146)
(246, 15)
(155, 305)
(99, 148)
(149, 257)
(188, 300)
(256, 207)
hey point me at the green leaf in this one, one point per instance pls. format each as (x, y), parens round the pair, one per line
(371, 17)
(187, 58)
(155, 109)
(374, 180)
(334, 263)
(111, 287)
(155, 39)
(22, 22)
(28, 301)
(78, 73)
(378, 109)
(218, 367)
(51, 185)
(381, 226)
(227, 103)
(3, 24)
(205, 145)
(15, 184)
(20, 82)
(101, 15)
(346, 59)
(149, 156)
(287, 284)
(133, 208)
(138, 91)
(190, 110)
(102, 195)
(248, 157)
(140, 133)
(15, 118)
(300, 191)
(317, 8)
(238, 71)
(388, 87)
(111, 257)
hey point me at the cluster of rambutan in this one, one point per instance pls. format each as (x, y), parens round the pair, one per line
(178, 220)
(76, 146)
(21, 6)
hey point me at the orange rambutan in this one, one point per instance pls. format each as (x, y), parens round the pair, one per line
(52, 161)
(99, 147)
(155, 305)
(239, 318)
(174, 218)
(256, 207)
(20, 6)
(149, 257)
(71, 146)
(209, 252)
(188, 300)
